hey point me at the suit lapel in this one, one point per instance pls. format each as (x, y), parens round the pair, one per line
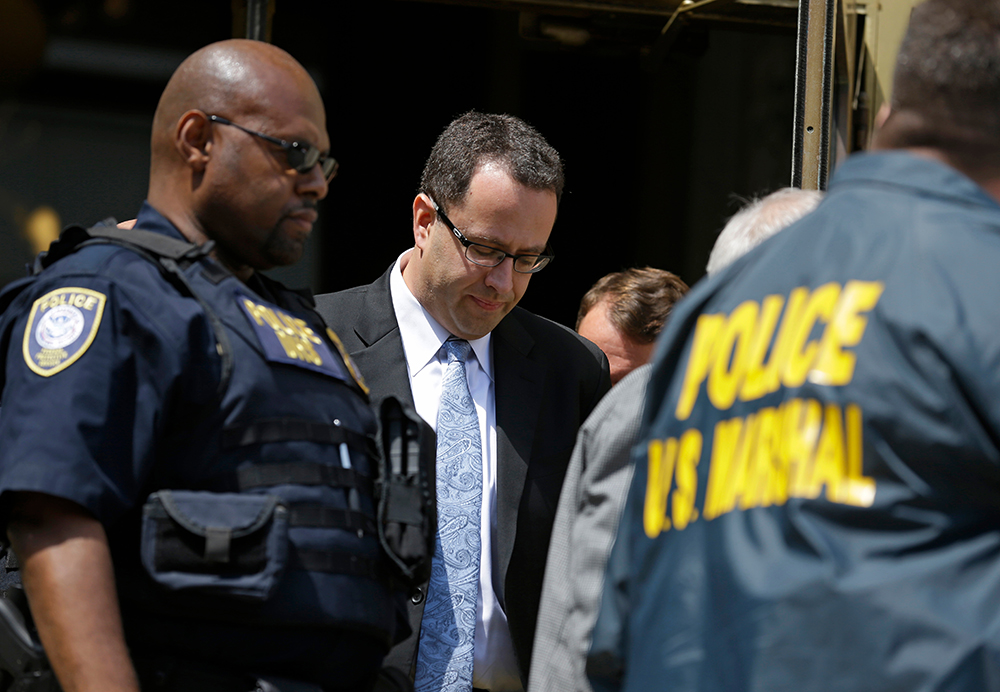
(519, 381)
(381, 359)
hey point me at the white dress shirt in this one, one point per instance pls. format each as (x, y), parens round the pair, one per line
(495, 664)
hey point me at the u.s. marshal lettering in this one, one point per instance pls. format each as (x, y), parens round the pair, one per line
(800, 448)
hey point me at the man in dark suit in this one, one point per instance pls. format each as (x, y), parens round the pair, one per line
(489, 193)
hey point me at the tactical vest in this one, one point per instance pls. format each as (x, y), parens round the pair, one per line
(300, 518)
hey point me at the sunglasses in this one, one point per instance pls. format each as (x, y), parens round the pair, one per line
(301, 157)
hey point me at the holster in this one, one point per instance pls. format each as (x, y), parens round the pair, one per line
(407, 506)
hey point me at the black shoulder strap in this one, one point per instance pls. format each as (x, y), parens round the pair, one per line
(172, 256)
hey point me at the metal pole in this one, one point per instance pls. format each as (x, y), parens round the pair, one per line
(813, 121)
(259, 19)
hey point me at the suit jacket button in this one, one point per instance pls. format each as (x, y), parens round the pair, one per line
(417, 597)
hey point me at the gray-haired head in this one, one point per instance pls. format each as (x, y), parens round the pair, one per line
(757, 221)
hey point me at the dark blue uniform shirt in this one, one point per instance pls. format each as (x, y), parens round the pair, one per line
(113, 391)
(816, 503)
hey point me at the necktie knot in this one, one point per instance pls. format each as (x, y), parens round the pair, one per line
(457, 349)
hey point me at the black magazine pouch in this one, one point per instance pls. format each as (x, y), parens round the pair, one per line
(228, 544)
(407, 509)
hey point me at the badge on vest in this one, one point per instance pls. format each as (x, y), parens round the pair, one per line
(347, 360)
(289, 339)
(61, 327)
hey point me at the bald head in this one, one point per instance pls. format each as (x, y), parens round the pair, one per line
(237, 77)
(230, 138)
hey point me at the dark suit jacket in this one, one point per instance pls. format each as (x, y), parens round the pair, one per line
(547, 380)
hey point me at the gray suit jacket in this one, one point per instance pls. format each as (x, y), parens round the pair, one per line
(547, 381)
(593, 496)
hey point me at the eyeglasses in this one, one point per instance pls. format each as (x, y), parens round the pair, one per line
(486, 256)
(301, 157)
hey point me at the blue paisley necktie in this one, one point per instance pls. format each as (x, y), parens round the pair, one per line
(447, 633)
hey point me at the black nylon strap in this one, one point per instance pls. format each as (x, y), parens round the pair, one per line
(338, 563)
(300, 473)
(166, 252)
(157, 243)
(284, 429)
(321, 516)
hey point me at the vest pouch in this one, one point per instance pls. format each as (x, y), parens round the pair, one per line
(227, 544)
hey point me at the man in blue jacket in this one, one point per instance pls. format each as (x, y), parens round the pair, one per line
(816, 503)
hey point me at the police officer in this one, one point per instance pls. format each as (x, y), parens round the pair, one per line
(816, 500)
(184, 452)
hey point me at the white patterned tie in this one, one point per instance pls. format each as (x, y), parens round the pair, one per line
(448, 630)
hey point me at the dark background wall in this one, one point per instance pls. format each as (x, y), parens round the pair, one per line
(657, 150)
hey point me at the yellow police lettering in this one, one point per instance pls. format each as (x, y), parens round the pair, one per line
(256, 311)
(48, 304)
(294, 334)
(801, 425)
(786, 335)
(834, 365)
(755, 384)
(720, 496)
(758, 488)
(660, 457)
(741, 463)
(298, 348)
(776, 490)
(731, 355)
(827, 468)
(699, 362)
(682, 500)
(857, 489)
(803, 352)
(795, 450)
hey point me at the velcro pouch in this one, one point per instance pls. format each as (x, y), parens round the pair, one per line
(229, 544)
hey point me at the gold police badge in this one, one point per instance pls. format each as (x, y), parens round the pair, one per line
(61, 327)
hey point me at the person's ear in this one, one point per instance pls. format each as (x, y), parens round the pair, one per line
(883, 114)
(193, 139)
(424, 217)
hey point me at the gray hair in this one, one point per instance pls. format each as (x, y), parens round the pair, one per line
(757, 221)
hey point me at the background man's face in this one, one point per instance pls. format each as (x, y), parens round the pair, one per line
(261, 211)
(466, 299)
(624, 354)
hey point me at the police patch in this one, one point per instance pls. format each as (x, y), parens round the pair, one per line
(289, 339)
(61, 327)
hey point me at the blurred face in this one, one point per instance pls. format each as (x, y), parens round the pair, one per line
(467, 299)
(624, 354)
(257, 208)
